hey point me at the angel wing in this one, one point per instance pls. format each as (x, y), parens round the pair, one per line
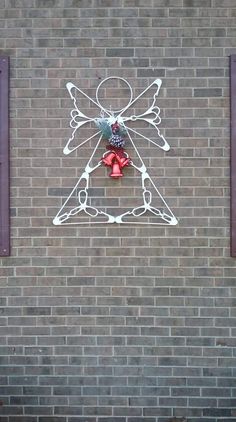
(149, 116)
(81, 122)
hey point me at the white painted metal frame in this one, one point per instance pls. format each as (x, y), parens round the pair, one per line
(79, 119)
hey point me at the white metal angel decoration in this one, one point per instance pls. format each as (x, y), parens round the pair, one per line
(116, 127)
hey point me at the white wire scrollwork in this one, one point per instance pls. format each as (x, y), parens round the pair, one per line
(151, 116)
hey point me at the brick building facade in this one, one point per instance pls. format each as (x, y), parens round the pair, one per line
(119, 323)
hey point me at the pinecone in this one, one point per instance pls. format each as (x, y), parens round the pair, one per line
(116, 141)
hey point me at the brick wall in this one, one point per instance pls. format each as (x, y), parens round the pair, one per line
(119, 323)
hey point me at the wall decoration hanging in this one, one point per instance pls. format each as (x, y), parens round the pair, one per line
(118, 130)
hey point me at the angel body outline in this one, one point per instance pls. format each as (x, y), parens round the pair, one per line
(120, 119)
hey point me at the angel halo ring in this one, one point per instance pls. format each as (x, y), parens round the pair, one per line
(109, 79)
(116, 127)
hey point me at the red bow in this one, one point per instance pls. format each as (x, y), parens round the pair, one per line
(115, 127)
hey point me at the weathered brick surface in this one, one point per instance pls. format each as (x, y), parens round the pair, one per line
(119, 324)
